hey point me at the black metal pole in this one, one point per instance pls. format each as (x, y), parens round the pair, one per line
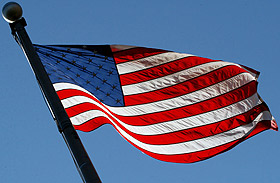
(76, 148)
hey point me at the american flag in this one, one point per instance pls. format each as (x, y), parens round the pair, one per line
(172, 106)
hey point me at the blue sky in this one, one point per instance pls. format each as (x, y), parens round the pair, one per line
(240, 31)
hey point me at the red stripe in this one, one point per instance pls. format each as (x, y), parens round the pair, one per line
(135, 53)
(189, 134)
(92, 124)
(162, 70)
(117, 48)
(251, 70)
(80, 108)
(186, 111)
(202, 155)
(63, 94)
(184, 87)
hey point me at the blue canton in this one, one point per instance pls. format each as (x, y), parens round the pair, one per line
(86, 66)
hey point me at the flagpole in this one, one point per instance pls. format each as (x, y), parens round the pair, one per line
(12, 13)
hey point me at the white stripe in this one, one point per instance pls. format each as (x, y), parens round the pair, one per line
(173, 79)
(148, 62)
(69, 86)
(86, 116)
(175, 125)
(188, 99)
(121, 47)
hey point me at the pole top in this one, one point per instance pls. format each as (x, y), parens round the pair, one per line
(11, 12)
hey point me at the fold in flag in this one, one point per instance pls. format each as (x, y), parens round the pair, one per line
(174, 107)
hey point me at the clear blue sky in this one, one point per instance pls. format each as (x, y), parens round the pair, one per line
(241, 31)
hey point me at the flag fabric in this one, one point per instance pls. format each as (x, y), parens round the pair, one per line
(172, 106)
